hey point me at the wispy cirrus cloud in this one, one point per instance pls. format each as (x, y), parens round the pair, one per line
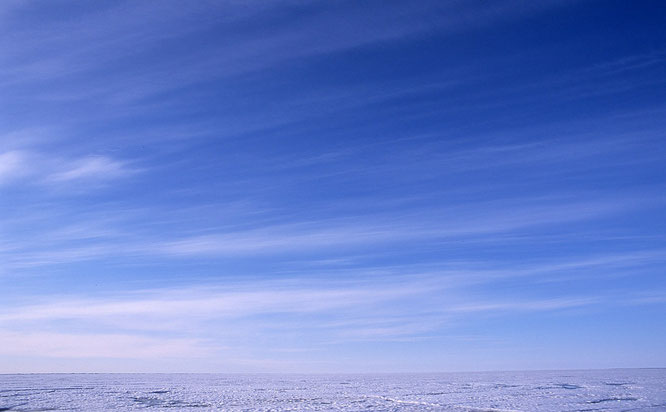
(39, 168)
(12, 166)
(444, 224)
(328, 311)
(317, 32)
(529, 305)
(176, 323)
(95, 167)
(237, 299)
(122, 238)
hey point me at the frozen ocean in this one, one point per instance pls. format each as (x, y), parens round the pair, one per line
(607, 390)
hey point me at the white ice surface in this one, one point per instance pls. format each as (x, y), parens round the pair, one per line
(608, 390)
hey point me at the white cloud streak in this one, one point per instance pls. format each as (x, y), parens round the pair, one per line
(97, 167)
(30, 58)
(436, 227)
(12, 166)
(445, 224)
(42, 169)
(177, 323)
(248, 299)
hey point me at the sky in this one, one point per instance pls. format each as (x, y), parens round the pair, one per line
(328, 187)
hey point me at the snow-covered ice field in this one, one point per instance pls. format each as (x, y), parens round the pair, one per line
(601, 390)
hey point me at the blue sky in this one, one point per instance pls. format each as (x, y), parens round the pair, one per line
(344, 186)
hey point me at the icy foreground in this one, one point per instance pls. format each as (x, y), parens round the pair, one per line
(608, 390)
